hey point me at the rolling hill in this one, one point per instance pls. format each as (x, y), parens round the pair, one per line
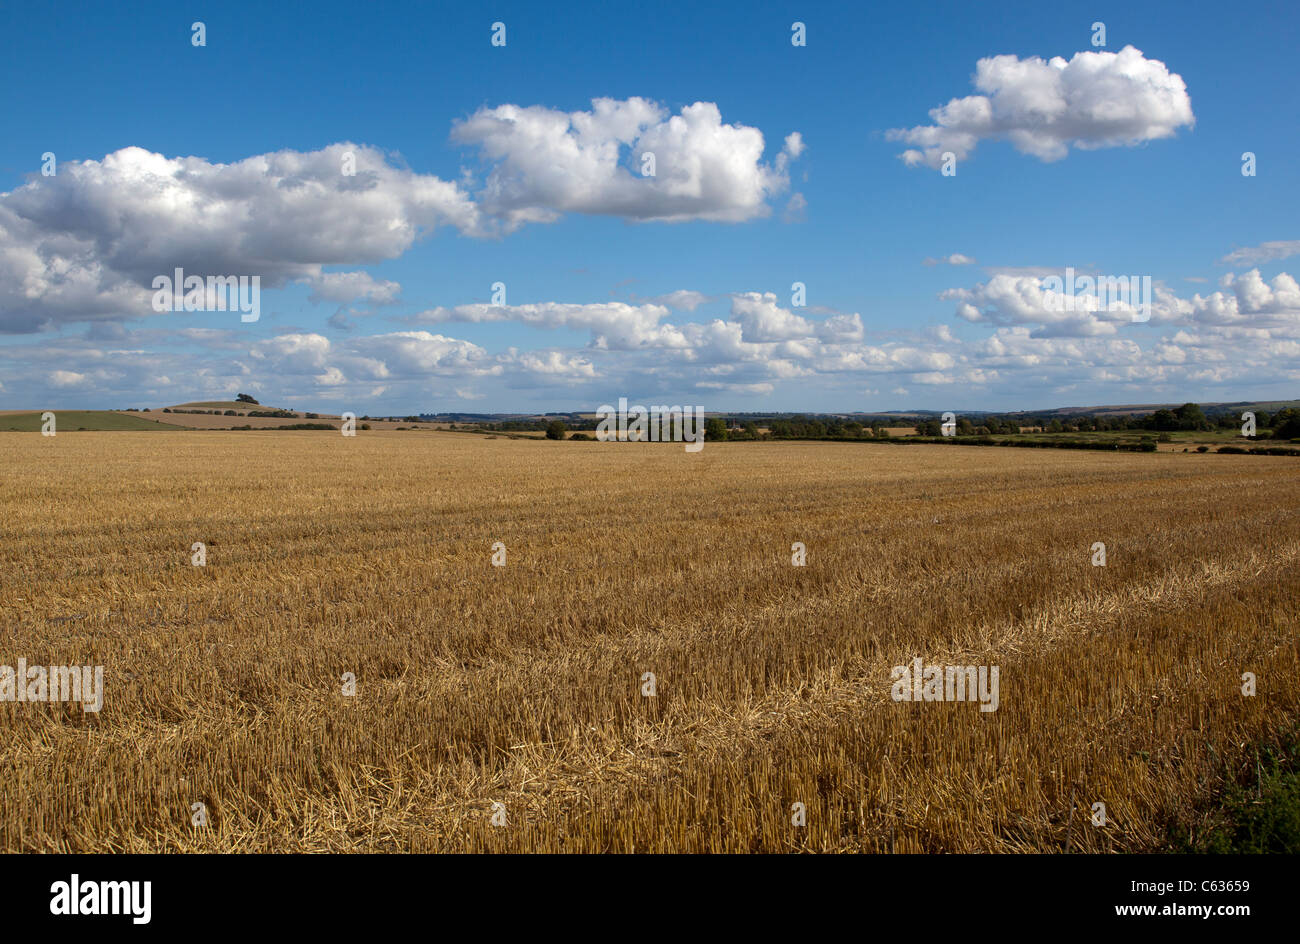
(24, 421)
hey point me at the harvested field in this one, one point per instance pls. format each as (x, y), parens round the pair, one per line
(522, 685)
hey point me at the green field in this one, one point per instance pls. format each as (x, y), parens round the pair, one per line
(74, 420)
(1186, 437)
(221, 405)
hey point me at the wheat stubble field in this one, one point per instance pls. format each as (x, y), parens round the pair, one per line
(521, 685)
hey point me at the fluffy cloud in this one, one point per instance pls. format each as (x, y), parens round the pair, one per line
(549, 162)
(1247, 332)
(344, 287)
(85, 244)
(756, 319)
(67, 378)
(556, 364)
(613, 325)
(956, 259)
(417, 353)
(1095, 100)
(682, 299)
(1010, 300)
(1247, 301)
(762, 319)
(1250, 301)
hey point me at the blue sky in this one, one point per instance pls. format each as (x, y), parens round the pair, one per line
(616, 285)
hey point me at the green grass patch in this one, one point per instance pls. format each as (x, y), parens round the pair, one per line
(1185, 437)
(1257, 809)
(220, 405)
(71, 421)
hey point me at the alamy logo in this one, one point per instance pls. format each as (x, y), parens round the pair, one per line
(81, 683)
(76, 897)
(658, 424)
(181, 292)
(920, 682)
(1101, 293)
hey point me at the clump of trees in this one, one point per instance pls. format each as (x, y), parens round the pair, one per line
(245, 398)
(1286, 425)
(801, 427)
(1189, 417)
(555, 429)
(515, 426)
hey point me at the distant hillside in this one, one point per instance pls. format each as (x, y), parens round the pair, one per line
(75, 420)
(199, 415)
(1135, 409)
(225, 414)
(228, 414)
(221, 405)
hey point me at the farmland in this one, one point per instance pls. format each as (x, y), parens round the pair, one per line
(522, 685)
(29, 421)
(206, 415)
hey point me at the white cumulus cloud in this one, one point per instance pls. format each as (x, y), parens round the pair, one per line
(547, 162)
(1045, 107)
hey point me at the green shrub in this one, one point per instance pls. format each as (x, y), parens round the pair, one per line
(1258, 811)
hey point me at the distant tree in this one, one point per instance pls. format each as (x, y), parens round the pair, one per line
(715, 428)
(555, 429)
(1190, 416)
(245, 398)
(1286, 425)
(1163, 420)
